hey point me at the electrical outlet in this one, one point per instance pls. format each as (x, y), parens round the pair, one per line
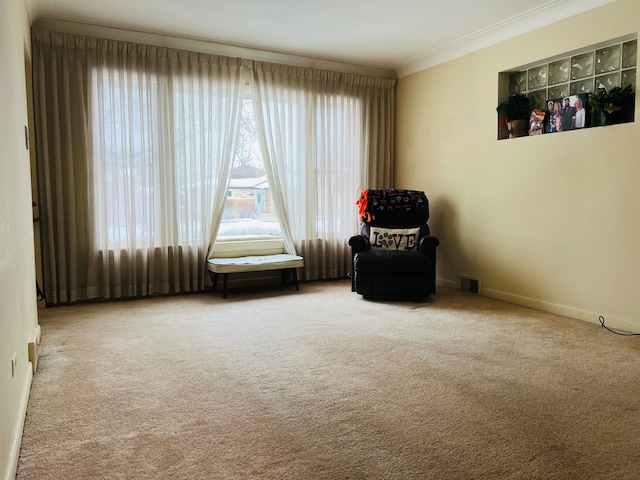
(14, 364)
(33, 355)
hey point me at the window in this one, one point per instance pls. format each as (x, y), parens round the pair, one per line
(249, 209)
(143, 158)
(156, 146)
(588, 71)
(125, 194)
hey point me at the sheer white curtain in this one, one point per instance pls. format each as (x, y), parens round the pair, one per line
(134, 159)
(324, 136)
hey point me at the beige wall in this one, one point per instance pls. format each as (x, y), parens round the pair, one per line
(551, 221)
(18, 310)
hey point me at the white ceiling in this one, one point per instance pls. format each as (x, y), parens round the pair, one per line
(400, 35)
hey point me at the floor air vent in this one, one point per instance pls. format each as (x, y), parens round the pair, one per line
(470, 284)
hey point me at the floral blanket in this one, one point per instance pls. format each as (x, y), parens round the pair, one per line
(372, 204)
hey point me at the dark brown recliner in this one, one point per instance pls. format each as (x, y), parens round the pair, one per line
(395, 255)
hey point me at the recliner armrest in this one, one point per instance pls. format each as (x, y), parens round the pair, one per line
(359, 243)
(428, 245)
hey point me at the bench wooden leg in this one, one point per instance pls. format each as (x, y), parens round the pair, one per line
(294, 272)
(224, 285)
(294, 276)
(214, 279)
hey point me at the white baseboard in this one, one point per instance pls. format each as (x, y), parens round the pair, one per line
(550, 307)
(441, 282)
(16, 437)
(558, 309)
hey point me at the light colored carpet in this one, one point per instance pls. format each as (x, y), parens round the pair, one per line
(321, 384)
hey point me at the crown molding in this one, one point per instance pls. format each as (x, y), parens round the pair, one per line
(512, 27)
(205, 46)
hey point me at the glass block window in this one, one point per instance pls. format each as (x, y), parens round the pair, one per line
(518, 82)
(582, 66)
(629, 54)
(537, 77)
(608, 59)
(559, 72)
(584, 72)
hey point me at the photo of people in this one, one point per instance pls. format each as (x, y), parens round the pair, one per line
(568, 113)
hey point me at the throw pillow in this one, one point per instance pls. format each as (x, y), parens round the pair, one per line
(405, 239)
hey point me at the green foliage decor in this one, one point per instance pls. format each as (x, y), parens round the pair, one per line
(516, 107)
(612, 100)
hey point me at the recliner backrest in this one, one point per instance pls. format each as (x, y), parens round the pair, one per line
(394, 207)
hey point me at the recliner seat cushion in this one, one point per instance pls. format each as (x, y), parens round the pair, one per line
(391, 262)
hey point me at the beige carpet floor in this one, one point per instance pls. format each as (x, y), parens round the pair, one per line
(321, 384)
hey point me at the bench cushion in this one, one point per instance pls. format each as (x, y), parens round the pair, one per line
(254, 263)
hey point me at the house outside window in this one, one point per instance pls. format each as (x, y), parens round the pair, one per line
(249, 210)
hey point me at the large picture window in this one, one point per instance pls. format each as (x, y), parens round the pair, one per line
(148, 155)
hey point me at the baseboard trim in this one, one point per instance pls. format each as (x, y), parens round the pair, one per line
(16, 438)
(441, 282)
(550, 307)
(564, 310)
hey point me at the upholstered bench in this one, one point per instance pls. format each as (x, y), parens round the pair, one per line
(260, 255)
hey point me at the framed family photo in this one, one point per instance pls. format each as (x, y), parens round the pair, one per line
(567, 113)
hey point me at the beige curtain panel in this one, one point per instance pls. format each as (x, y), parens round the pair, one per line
(344, 144)
(135, 146)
